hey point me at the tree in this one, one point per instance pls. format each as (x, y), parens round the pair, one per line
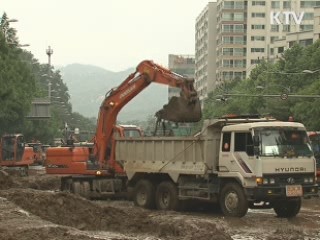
(284, 76)
(9, 34)
(22, 78)
(17, 84)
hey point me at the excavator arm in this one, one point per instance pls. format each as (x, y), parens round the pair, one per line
(185, 108)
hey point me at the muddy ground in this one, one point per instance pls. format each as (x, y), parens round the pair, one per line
(33, 208)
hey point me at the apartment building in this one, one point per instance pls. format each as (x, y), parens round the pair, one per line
(247, 32)
(303, 38)
(205, 50)
(183, 65)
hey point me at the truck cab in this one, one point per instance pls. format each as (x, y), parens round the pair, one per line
(273, 161)
(128, 130)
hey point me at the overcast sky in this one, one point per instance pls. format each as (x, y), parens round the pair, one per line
(112, 34)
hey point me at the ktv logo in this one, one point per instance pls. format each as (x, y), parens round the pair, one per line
(284, 18)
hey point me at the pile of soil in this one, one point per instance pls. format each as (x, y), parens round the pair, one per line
(71, 210)
(6, 181)
(32, 208)
(42, 182)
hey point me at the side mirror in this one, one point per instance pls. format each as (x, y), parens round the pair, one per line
(256, 145)
(256, 151)
(256, 141)
(70, 142)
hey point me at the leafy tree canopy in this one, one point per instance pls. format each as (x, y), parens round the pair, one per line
(285, 76)
(22, 79)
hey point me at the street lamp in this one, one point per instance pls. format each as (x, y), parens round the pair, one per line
(18, 45)
(23, 45)
(11, 20)
(56, 97)
(311, 71)
(285, 73)
(306, 71)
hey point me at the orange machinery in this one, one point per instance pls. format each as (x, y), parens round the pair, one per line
(39, 154)
(94, 168)
(14, 152)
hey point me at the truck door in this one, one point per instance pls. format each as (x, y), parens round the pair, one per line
(243, 152)
(225, 152)
(237, 153)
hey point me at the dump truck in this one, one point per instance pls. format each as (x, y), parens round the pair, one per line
(239, 163)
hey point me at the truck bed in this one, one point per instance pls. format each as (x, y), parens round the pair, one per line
(172, 155)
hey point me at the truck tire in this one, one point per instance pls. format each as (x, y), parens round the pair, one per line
(143, 194)
(81, 188)
(287, 208)
(24, 171)
(233, 201)
(66, 185)
(167, 196)
(85, 189)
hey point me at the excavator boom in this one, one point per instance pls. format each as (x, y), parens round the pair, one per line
(185, 108)
(99, 157)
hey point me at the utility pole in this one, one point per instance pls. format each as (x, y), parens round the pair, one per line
(49, 52)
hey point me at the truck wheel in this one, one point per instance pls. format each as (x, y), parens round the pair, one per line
(143, 194)
(24, 172)
(66, 185)
(233, 201)
(167, 196)
(85, 189)
(287, 208)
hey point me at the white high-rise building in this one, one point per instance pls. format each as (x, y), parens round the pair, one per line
(245, 33)
(205, 50)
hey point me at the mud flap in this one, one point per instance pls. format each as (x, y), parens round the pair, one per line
(179, 109)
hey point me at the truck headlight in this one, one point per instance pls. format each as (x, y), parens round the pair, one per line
(272, 181)
(265, 181)
(308, 180)
(259, 180)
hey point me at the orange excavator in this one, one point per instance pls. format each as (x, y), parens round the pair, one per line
(15, 154)
(93, 170)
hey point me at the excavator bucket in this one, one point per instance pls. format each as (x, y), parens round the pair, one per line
(180, 109)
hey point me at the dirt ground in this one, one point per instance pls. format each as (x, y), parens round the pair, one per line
(33, 208)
